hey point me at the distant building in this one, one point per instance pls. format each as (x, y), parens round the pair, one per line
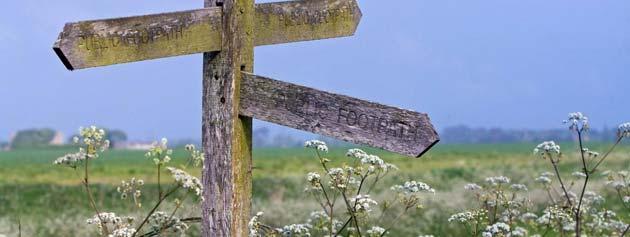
(139, 146)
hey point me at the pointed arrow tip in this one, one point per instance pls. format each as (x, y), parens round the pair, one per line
(59, 52)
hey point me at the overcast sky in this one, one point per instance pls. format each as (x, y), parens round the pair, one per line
(490, 63)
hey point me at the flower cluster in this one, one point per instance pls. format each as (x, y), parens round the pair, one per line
(496, 229)
(412, 187)
(577, 121)
(163, 222)
(375, 231)
(72, 160)
(109, 220)
(131, 188)
(196, 156)
(623, 130)
(187, 181)
(472, 187)
(159, 152)
(295, 230)
(545, 179)
(475, 216)
(363, 203)
(547, 149)
(255, 226)
(314, 181)
(320, 220)
(498, 180)
(316, 144)
(94, 139)
(373, 161)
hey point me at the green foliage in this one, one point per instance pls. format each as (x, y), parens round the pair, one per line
(32, 138)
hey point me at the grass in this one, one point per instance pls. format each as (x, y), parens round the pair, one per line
(49, 201)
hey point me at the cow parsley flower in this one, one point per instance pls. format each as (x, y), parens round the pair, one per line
(518, 232)
(123, 232)
(547, 149)
(577, 121)
(623, 130)
(498, 180)
(187, 181)
(472, 187)
(412, 187)
(159, 152)
(375, 231)
(528, 216)
(314, 180)
(255, 225)
(131, 188)
(72, 160)
(496, 229)
(110, 219)
(578, 175)
(475, 216)
(363, 203)
(295, 230)
(518, 187)
(316, 144)
(196, 156)
(95, 140)
(372, 161)
(163, 222)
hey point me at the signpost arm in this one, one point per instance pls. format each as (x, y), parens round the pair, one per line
(226, 137)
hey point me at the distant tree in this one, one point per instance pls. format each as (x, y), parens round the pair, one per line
(115, 137)
(33, 138)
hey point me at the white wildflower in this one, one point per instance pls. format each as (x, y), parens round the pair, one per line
(187, 181)
(518, 187)
(518, 232)
(363, 203)
(159, 152)
(472, 187)
(577, 121)
(411, 187)
(255, 225)
(496, 229)
(543, 180)
(123, 232)
(498, 180)
(72, 160)
(316, 144)
(295, 230)
(468, 216)
(196, 156)
(547, 149)
(375, 231)
(624, 130)
(163, 222)
(578, 174)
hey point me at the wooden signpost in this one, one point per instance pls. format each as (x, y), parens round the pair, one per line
(226, 32)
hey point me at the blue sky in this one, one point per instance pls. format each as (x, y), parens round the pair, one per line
(491, 63)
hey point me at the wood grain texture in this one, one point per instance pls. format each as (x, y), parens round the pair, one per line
(111, 41)
(226, 135)
(291, 21)
(358, 121)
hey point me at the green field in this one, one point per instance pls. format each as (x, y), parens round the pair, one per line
(47, 200)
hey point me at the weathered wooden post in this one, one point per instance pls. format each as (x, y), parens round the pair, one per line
(226, 31)
(227, 137)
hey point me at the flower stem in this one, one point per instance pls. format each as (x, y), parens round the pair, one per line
(86, 183)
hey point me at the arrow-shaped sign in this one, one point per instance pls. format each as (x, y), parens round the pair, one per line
(353, 120)
(111, 41)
